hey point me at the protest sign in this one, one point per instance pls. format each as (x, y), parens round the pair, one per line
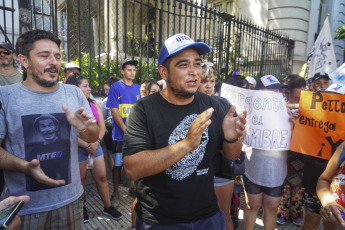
(267, 125)
(320, 129)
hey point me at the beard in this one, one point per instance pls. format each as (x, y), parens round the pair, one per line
(6, 62)
(43, 82)
(181, 93)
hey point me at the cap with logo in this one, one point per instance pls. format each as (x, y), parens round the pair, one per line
(269, 82)
(336, 88)
(71, 65)
(128, 61)
(178, 42)
(6, 46)
(320, 75)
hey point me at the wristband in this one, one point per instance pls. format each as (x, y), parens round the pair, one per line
(232, 141)
(99, 140)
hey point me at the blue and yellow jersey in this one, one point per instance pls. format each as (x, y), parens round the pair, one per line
(122, 97)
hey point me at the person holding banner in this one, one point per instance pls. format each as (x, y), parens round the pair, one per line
(265, 173)
(331, 188)
(291, 203)
(313, 167)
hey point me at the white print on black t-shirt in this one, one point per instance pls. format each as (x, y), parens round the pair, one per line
(189, 163)
(46, 138)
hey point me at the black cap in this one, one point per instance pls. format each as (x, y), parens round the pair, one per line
(128, 61)
(320, 75)
(6, 46)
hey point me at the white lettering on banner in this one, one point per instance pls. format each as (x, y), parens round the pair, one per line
(267, 126)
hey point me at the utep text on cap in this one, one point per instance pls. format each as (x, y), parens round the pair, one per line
(128, 61)
(6, 46)
(178, 42)
(71, 65)
(269, 82)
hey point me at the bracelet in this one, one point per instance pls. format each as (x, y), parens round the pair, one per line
(232, 141)
(99, 140)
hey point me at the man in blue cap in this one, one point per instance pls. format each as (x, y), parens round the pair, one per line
(170, 140)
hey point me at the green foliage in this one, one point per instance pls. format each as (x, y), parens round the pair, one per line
(98, 73)
(147, 71)
(340, 33)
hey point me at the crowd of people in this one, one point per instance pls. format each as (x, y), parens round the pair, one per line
(169, 142)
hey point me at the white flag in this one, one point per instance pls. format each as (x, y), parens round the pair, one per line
(321, 57)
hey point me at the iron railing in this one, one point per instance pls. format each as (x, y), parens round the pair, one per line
(99, 34)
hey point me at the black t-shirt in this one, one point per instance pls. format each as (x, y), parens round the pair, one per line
(313, 168)
(184, 192)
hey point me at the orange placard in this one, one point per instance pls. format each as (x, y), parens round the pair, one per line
(321, 127)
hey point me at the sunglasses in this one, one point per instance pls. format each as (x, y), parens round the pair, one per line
(5, 52)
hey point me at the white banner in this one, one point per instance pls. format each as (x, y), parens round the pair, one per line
(268, 126)
(321, 57)
(338, 76)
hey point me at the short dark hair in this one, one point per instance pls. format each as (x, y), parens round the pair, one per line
(25, 41)
(75, 79)
(166, 63)
(238, 81)
(294, 81)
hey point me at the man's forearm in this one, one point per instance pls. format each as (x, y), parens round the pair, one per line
(118, 119)
(10, 162)
(151, 162)
(232, 150)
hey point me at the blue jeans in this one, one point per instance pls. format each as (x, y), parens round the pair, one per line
(82, 154)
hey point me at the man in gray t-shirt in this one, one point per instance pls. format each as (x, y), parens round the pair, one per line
(40, 120)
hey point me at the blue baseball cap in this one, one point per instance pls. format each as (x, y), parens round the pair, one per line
(178, 42)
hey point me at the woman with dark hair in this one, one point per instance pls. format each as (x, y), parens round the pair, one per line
(295, 85)
(85, 150)
(152, 87)
(290, 206)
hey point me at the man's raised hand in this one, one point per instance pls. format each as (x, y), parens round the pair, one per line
(79, 119)
(197, 128)
(234, 127)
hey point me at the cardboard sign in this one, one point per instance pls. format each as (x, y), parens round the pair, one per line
(320, 129)
(267, 125)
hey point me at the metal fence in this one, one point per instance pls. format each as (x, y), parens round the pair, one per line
(99, 34)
